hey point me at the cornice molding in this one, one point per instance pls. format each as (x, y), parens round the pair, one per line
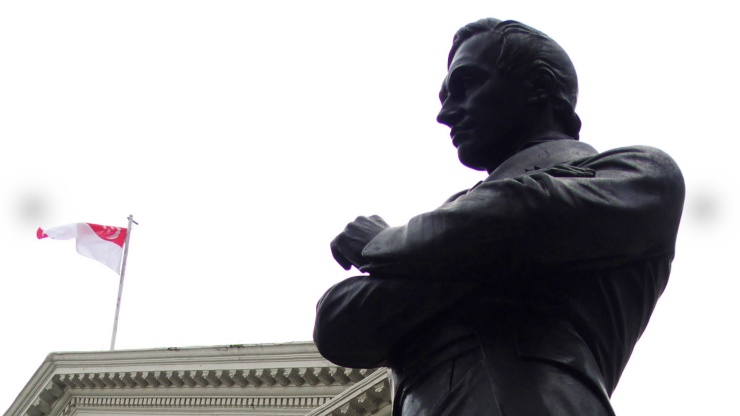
(291, 405)
(365, 398)
(290, 376)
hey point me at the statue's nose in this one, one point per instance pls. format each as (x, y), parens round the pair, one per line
(449, 114)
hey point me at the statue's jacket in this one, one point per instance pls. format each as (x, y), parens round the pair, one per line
(524, 295)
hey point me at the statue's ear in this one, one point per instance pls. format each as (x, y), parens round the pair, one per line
(542, 85)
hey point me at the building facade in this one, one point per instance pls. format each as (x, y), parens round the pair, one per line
(270, 379)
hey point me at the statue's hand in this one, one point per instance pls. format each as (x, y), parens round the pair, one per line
(347, 246)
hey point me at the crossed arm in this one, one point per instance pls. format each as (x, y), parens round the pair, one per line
(610, 209)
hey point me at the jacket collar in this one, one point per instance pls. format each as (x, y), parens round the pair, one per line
(539, 156)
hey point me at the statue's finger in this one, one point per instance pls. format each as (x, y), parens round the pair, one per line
(339, 257)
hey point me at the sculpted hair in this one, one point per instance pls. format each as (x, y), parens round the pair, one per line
(522, 50)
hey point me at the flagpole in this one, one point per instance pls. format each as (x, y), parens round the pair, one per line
(120, 285)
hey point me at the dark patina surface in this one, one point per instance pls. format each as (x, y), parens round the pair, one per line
(524, 295)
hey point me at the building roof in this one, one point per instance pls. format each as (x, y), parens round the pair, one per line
(265, 379)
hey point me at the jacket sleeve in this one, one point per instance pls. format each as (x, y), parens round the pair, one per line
(609, 209)
(361, 319)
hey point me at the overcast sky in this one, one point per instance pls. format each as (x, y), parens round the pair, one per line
(243, 137)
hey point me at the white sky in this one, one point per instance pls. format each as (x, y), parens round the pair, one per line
(243, 137)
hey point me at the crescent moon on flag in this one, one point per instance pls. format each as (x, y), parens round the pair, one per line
(114, 235)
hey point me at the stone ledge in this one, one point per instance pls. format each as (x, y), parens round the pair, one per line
(284, 375)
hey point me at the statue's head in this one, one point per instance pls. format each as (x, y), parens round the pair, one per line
(507, 85)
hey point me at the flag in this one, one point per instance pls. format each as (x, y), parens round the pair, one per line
(103, 243)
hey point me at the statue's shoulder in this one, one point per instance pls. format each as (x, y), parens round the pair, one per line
(643, 155)
(642, 163)
(638, 149)
(459, 194)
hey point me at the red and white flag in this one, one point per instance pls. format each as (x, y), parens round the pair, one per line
(103, 243)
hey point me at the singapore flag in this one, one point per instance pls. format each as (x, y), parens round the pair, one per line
(99, 242)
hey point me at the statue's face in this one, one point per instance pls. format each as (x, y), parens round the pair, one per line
(484, 109)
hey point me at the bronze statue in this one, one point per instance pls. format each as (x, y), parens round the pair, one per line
(524, 295)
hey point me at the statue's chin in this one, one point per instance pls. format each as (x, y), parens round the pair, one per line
(469, 161)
